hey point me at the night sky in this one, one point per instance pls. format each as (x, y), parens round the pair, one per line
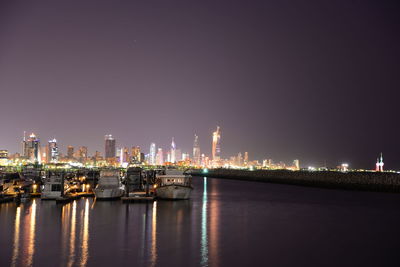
(313, 80)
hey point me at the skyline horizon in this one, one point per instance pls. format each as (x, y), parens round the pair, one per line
(63, 150)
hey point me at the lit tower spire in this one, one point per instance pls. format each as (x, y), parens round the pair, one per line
(379, 164)
(196, 150)
(173, 151)
(216, 146)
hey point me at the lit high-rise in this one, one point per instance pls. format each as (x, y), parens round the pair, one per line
(152, 154)
(110, 149)
(32, 148)
(173, 151)
(216, 145)
(52, 151)
(196, 151)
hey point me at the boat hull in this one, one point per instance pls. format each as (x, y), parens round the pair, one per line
(108, 193)
(173, 192)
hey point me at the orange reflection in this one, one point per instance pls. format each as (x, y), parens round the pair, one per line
(71, 257)
(65, 214)
(16, 237)
(85, 236)
(214, 228)
(30, 238)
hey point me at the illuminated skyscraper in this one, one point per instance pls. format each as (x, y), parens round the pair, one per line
(196, 151)
(136, 155)
(216, 145)
(32, 148)
(110, 148)
(173, 151)
(52, 151)
(160, 157)
(152, 154)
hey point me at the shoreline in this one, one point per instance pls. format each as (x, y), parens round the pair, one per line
(356, 181)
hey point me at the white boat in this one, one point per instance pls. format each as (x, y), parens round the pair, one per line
(52, 187)
(109, 185)
(173, 185)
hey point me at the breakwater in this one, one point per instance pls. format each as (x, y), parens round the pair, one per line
(367, 181)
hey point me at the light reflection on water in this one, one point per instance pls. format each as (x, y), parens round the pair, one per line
(154, 235)
(16, 237)
(204, 240)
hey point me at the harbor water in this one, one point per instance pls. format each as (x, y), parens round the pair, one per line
(225, 223)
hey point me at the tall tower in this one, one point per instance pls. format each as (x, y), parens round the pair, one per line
(32, 148)
(52, 151)
(216, 145)
(379, 164)
(173, 151)
(152, 154)
(196, 151)
(110, 149)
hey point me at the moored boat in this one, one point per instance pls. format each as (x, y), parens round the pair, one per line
(109, 185)
(174, 184)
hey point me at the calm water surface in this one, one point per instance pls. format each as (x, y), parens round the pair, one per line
(226, 223)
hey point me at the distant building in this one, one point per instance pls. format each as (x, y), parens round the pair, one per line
(216, 145)
(83, 154)
(32, 149)
(3, 157)
(110, 148)
(246, 158)
(178, 155)
(136, 155)
(152, 154)
(160, 157)
(52, 153)
(70, 152)
(173, 151)
(196, 151)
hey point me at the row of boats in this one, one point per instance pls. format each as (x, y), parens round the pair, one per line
(166, 184)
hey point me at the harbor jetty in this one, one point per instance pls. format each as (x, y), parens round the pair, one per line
(365, 180)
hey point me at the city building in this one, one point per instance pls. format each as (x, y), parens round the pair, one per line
(173, 151)
(136, 155)
(196, 151)
(216, 145)
(83, 154)
(3, 157)
(70, 152)
(246, 158)
(32, 149)
(52, 153)
(110, 148)
(152, 154)
(160, 157)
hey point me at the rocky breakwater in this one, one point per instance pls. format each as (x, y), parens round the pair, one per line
(369, 181)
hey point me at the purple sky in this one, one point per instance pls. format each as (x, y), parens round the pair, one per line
(314, 80)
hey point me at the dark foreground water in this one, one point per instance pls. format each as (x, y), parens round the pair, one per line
(226, 223)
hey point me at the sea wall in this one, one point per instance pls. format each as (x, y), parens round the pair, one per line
(369, 181)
